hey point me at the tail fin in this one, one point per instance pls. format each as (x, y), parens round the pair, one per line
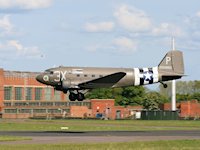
(172, 64)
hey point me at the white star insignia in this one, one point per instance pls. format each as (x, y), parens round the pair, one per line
(147, 76)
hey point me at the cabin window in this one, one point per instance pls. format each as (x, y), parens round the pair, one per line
(78, 75)
(85, 75)
(100, 76)
(93, 75)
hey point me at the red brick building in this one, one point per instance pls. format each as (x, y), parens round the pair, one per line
(187, 109)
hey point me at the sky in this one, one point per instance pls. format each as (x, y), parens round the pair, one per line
(40, 34)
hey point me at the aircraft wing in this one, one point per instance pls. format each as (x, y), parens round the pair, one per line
(106, 81)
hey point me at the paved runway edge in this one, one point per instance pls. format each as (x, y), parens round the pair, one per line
(56, 137)
(103, 133)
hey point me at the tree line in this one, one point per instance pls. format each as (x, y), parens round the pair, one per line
(185, 90)
(140, 95)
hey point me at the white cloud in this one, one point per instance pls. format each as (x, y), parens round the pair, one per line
(5, 25)
(125, 44)
(132, 19)
(25, 4)
(99, 27)
(198, 14)
(167, 29)
(14, 46)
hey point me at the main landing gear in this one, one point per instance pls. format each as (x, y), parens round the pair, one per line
(79, 96)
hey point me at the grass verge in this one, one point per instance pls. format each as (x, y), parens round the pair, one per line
(12, 138)
(97, 125)
(153, 145)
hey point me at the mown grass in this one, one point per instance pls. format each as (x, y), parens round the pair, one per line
(12, 138)
(150, 145)
(97, 125)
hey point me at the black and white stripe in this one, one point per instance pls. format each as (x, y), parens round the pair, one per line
(142, 73)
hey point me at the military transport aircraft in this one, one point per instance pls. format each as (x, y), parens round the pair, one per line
(75, 80)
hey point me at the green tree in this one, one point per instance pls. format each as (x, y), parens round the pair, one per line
(152, 100)
(132, 95)
(182, 97)
(195, 96)
(100, 93)
(184, 89)
(123, 96)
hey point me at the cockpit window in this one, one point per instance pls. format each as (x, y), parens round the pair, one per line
(48, 72)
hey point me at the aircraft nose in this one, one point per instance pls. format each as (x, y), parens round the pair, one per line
(39, 78)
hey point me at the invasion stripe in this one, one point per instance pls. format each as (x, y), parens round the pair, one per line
(146, 70)
(141, 78)
(155, 74)
(137, 78)
(151, 81)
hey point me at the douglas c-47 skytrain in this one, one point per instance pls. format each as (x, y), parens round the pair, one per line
(75, 80)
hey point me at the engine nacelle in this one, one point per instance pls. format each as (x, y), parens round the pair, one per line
(66, 84)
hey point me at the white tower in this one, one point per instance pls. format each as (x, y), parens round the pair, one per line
(173, 100)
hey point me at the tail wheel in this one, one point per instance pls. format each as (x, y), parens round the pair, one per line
(80, 96)
(72, 96)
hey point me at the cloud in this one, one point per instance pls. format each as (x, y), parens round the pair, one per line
(125, 44)
(198, 14)
(99, 27)
(24, 4)
(5, 25)
(118, 45)
(16, 48)
(167, 29)
(132, 19)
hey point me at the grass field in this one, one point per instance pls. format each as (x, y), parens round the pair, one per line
(153, 145)
(12, 138)
(97, 125)
(100, 125)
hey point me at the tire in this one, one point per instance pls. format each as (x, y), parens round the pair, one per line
(80, 96)
(72, 96)
(165, 85)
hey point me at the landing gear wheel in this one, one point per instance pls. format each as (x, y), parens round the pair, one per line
(165, 85)
(72, 96)
(80, 97)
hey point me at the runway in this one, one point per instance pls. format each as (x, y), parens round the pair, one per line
(46, 137)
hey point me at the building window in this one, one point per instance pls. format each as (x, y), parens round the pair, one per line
(47, 93)
(18, 93)
(39, 111)
(7, 104)
(7, 93)
(54, 111)
(38, 93)
(10, 111)
(28, 93)
(25, 111)
(57, 95)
